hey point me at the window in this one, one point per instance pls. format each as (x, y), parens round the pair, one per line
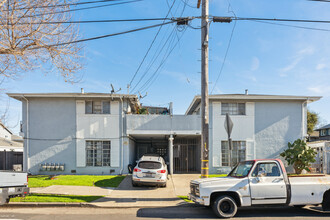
(150, 165)
(97, 107)
(323, 132)
(237, 155)
(98, 153)
(269, 169)
(233, 108)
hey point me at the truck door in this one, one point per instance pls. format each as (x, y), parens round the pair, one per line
(267, 184)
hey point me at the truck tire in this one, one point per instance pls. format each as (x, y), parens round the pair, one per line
(224, 207)
(7, 200)
(326, 201)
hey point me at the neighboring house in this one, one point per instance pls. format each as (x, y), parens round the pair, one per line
(99, 133)
(11, 150)
(324, 132)
(322, 163)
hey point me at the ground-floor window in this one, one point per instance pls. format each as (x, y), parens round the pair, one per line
(238, 152)
(98, 153)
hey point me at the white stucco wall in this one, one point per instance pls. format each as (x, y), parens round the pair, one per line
(51, 133)
(243, 130)
(267, 127)
(276, 124)
(98, 127)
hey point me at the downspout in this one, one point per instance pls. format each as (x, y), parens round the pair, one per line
(122, 135)
(304, 133)
(27, 135)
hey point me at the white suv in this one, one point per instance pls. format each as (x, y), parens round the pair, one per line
(150, 170)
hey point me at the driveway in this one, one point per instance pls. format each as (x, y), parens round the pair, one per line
(125, 195)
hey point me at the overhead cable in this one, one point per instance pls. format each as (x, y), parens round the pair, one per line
(104, 36)
(152, 43)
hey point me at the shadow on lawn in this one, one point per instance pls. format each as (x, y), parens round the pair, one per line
(111, 182)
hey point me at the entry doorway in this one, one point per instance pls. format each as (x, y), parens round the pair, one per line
(186, 155)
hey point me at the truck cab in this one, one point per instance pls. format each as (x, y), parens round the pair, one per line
(259, 182)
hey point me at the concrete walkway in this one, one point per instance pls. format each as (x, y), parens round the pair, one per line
(125, 195)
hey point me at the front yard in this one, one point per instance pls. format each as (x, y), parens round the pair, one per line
(55, 198)
(75, 180)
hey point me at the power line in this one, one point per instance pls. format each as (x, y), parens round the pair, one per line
(281, 20)
(295, 26)
(155, 56)
(319, 0)
(79, 9)
(155, 75)
(186, 3)
(96, 21)
(59, 5)
(158, 52)
(228, 46)
(104, 36)
(153, 41)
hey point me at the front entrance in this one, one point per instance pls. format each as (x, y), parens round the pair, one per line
(186, 155)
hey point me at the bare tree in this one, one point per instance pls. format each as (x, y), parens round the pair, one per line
(35, 34)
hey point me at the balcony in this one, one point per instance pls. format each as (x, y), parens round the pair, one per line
(163, 124)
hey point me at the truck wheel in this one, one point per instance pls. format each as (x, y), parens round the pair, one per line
(224, 207)
(326, 201)
(7, 200)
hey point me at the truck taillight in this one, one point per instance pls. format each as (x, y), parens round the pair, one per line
(137, 170)
(161, 171)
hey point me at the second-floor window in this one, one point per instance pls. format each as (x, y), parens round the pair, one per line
(233, 108)
(97, 107)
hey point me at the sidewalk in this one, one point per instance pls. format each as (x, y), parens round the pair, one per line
(125, 195)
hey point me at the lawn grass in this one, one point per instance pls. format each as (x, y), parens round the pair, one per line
(185, 198)
(75, 180)
(55, 198)
(217, 175)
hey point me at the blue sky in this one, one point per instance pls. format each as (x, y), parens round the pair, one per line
(264, 58)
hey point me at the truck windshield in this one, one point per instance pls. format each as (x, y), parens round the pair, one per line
(242, 169)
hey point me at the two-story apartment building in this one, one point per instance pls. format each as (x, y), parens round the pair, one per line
(100, 133)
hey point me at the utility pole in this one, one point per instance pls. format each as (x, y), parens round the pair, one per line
(205, 89)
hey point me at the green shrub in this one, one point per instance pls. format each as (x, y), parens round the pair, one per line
(299, 155)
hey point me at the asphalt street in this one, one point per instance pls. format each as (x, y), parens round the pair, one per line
(64, 213)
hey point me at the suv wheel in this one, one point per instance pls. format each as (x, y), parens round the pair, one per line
(134, 184)
(224, 207)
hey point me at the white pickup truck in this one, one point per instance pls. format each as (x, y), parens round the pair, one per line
(12, 184)
(260, 182)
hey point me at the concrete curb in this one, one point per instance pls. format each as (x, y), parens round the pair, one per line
(46, 204)
(88, 205)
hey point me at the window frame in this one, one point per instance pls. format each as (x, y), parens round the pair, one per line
(96, 154)
(269, 162)
(323, 132)
(225, 156)
(93, 111)
(233, 108)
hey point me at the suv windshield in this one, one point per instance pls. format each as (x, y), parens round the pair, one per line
(242, 169)
(150, 165)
